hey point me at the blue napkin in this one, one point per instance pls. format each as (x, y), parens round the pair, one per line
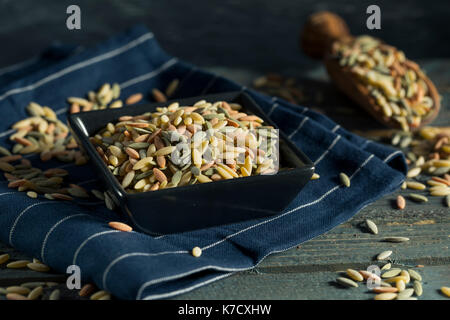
(133, 265)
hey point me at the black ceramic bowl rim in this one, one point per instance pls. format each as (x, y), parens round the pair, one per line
(80, 133)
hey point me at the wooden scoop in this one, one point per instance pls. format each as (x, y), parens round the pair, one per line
(376, 76)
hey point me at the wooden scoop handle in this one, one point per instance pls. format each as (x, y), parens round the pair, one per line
(321, 30)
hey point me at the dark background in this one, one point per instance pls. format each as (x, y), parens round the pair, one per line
(257, 35)
(244, 39)
(241, 40)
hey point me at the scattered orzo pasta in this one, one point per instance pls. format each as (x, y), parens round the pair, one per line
(396, 84)
(181, 145)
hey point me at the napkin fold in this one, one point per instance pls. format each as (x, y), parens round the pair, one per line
(133, 265)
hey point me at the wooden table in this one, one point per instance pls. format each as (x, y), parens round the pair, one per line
(308, 271)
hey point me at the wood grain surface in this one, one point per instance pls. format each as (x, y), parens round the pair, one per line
(243, 41)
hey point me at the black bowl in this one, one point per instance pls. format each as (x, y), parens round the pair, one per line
(200, 205)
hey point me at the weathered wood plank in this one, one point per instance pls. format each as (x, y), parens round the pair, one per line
(306, 285)
(299, 273)
(16, 276)
(427, 225)
(257, 35)
(65, 294)
(346, 246)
